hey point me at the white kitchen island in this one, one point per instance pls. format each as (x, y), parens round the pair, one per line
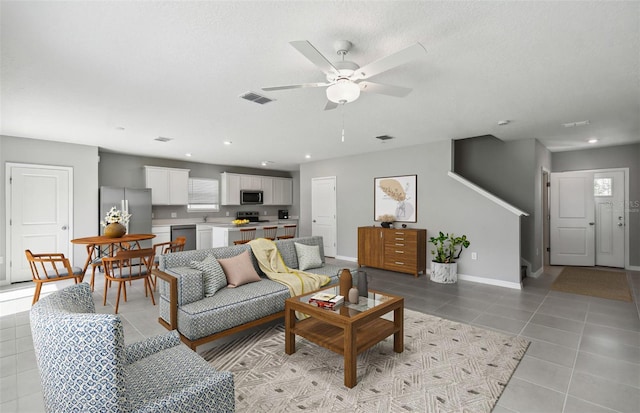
(224, 234)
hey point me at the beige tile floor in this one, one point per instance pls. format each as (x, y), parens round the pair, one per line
(584, 356)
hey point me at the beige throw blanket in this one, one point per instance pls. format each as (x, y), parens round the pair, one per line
(272, 264)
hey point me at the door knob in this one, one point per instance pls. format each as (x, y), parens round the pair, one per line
(314, 220)
(620, 224)
(592, 223)
(64, 227)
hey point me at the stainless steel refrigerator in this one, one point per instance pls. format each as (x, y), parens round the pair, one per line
(136, 202)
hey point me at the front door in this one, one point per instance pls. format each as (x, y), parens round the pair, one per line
(572, 219)
(323, 212)
(39, 214)
(587, 218)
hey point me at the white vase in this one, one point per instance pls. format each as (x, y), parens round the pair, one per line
(353, 295)
(444, 273)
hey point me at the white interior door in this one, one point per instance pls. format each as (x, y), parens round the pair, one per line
(610, 218)
(39, 214)
(572, 219)
(323, 212)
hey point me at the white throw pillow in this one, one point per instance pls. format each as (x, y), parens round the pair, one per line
(212, 273)
(308, 256)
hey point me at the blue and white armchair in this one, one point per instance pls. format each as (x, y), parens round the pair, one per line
(86, 367)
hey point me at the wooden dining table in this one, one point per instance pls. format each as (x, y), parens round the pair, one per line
(106, 246)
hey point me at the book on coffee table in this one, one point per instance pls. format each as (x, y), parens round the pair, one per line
(325, 300)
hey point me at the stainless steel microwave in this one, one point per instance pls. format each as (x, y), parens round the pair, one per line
(250, 197)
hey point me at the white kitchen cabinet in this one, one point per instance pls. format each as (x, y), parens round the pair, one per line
(282, 191)
(229, 189)
(169, 186)
(204, 238)
(162, 233)
(251, 182)
(267, 190)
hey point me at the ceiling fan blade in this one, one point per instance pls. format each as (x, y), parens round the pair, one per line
(302, 85)
(330, 105)
(314, 56)
(397, 91)
(401, 57)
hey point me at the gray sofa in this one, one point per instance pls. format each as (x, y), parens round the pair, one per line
(200, 319)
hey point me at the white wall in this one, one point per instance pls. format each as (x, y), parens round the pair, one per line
(443, 205)
(84, 161)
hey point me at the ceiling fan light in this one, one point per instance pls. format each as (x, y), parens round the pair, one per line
(343, 91)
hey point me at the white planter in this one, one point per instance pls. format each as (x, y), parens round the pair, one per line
(444, 273)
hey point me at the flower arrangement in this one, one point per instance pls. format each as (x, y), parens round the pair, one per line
(386, 218)
(115, 216)
(240, 221)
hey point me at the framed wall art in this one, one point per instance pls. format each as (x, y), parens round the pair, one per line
(395, 195)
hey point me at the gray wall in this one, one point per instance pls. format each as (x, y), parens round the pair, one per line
(624, 156)
(443, 205)
(84, 161)
(128, 171)
(512, 171)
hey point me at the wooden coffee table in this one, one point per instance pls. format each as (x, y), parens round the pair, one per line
(348, 329)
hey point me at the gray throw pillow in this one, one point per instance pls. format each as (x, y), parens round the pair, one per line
(212, 273)
(308, 256)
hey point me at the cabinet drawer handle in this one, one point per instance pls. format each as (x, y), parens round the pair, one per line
(399, 239)
(399, 245)
(400, 252)
(399, 263)
(399, 233)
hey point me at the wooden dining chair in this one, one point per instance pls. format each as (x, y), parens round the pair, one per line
(97, 253)
(128, 265)
(289, 232)
(165, 248)
(270, 232)
(50, 267)
(246, 234)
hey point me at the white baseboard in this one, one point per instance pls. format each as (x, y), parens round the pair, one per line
(537, 273)
(633, 268)
(490, 281)
(343, 258)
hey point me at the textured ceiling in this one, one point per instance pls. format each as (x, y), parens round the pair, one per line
(120, 74)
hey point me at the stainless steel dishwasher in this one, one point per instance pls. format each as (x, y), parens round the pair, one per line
(187, 231)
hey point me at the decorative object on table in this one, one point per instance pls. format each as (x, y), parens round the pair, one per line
(363, 283)
(239, 222)
(396, 196)
(353, 295)
(387, 220)
(444, 269)
(346, 282)
(115, 223)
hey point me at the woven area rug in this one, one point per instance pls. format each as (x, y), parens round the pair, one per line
(445, 367)
(596, 283)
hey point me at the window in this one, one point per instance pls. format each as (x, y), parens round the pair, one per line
(203, 195)
(602, 186)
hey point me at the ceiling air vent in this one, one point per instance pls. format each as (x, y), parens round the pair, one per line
(384, 137)
(162, 139)
(254, 97)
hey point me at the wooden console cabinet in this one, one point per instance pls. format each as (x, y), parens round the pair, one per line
(393, 249)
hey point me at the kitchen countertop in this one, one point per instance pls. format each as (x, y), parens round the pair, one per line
(222, 222)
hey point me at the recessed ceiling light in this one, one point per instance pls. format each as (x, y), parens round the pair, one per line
(592, 140)
(263, 163)
(120, 128)
(188, 155)
(307, 156)
(227, 142)
(503, 122)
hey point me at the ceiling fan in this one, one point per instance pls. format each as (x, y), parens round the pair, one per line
(345, 79)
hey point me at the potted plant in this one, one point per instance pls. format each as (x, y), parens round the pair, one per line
(444, 268)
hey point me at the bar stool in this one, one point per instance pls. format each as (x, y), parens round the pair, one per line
(289, 232)
(270, 232)
(247, 235)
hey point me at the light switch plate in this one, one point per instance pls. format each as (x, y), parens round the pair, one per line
(174, 215)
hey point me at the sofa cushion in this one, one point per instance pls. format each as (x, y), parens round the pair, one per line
(308, 256)
(239, 270)
(213, 275)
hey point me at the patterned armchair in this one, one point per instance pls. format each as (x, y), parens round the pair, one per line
(85, 365)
